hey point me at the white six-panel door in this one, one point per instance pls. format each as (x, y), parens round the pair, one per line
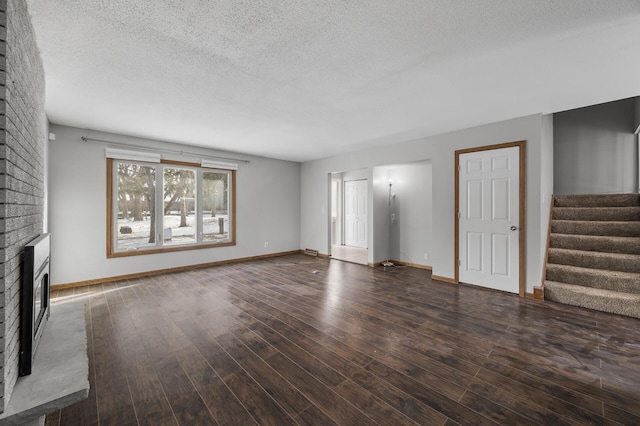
(489, 218)
(355, 213)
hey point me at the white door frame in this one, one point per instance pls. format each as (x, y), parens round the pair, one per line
(522, 193)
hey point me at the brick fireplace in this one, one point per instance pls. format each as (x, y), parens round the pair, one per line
(23, 128)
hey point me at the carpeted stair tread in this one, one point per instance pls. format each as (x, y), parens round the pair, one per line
(628, 282)
(604, 228)
(595, 260)
(593, 298)
(630, 245)
(600, 200)
(597, 213)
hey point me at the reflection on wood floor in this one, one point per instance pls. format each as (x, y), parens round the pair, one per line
(350, 254)
(309, 341)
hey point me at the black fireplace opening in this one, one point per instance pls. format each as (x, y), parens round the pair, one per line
(34, 299)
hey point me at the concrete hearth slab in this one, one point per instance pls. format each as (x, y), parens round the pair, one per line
(60, 373)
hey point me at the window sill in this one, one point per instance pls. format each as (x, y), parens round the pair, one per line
(140, 252)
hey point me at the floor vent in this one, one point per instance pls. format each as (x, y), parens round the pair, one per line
(311, 252)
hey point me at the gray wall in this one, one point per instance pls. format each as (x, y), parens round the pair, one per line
(440, 151)
(546, 178)
(595, 150)
(22, 163)
(410, 235)
(267, 210)
(636, 124)
(355, 175)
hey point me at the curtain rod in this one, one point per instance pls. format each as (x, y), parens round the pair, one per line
(168, 151)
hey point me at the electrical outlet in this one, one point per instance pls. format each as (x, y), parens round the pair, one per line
(426, 256)
(266, 244)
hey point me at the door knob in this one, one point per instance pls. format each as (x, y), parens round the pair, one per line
(513, 228)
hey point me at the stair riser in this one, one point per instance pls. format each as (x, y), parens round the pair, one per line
(595, 243)
(593, 279)
(606, 200)
(594, 261)
(615, 305)
(613, 229)
(599, 214)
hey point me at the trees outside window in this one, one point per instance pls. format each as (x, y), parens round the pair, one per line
(179, 199)
(135, 201)
(215, 189)
(167, 207)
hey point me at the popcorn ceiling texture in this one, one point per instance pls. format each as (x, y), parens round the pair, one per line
(22, 159)
(306, 79)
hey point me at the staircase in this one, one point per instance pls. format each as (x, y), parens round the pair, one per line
(593, 259)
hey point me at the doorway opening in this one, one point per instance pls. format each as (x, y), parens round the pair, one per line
(349, 223)
(402, 214)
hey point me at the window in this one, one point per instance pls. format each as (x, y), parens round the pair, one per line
(168, 206)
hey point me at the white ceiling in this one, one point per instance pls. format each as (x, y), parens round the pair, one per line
(306, 79)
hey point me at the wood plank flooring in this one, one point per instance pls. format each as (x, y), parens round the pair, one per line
(311, 341)
(350, 254)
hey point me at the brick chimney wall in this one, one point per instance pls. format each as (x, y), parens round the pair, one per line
(23, 125)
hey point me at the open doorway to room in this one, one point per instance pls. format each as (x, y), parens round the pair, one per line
(349, 221)
(402, 214)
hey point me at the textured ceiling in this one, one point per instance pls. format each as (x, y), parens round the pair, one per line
(305, 79)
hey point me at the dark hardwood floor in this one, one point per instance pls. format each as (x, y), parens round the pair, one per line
(302, 340)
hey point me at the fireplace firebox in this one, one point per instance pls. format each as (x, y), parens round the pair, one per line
(34, 306)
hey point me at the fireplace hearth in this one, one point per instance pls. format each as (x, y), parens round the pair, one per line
(34, 306)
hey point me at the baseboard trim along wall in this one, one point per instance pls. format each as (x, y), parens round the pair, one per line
(538, 293)
(412, 265)
(399, 263)
(169, 270)
(535, 295)
(443, 279)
